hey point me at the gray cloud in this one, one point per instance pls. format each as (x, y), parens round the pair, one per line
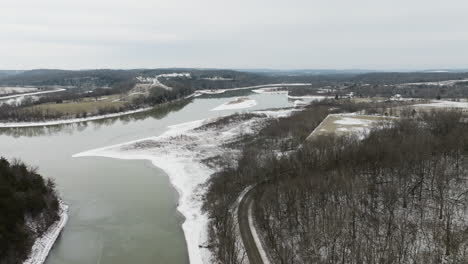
(233, 34)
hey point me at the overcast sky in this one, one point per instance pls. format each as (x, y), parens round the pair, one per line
(331, 34)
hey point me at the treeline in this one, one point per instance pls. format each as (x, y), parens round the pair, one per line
(234, 176)
(407, 77)
(28, 206)
(398, 196)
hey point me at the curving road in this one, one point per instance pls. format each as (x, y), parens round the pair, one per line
(250, 238)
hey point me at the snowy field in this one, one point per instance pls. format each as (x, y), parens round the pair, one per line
(238, 103)
(348, 124)
(180, 152)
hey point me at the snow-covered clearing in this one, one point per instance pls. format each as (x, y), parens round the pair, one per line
(181, 152)
(70, 121)
(238, 103)
(348, 124)
(43, 245)
(146, 83)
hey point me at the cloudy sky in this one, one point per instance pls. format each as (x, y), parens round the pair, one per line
(324, 34)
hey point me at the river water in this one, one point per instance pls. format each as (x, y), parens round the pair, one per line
(121, 211)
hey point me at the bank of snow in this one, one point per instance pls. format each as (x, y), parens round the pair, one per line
(43, 245)
(70, 121)
(181, 152)
(238, 103)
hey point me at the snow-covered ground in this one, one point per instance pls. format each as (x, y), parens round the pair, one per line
(180, 153)
(349, 124)
(70, 121)
(238, 103)
(43, 245)
(444, 104)
(150, 82)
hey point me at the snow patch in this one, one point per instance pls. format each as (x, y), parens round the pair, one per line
(353, 121)
(238, 103)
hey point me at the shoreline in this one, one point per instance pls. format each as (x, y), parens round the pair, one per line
(180, 152)
(42, 245)
(70, 121)
(185, 175)
(117, 114)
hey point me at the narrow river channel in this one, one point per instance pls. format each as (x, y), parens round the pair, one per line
(121, 211)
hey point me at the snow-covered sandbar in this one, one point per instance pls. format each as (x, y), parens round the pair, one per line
(238, 103)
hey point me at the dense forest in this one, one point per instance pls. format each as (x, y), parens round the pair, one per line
(28, 206)
(397, 196)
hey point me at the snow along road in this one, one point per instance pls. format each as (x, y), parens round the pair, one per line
(250, 238)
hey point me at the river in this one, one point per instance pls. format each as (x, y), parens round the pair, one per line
(121, 211)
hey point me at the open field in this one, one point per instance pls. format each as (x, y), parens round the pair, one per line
(87, 105)
(346, 124)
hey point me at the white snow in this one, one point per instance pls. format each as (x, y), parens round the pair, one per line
(43, 245)
(238, 103)
(299, 103)
(353, 121)
(70, 121)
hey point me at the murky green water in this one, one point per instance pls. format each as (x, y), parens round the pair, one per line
(121, 211)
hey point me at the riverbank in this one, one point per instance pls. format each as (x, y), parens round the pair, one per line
(182, 152)
(70, 121)
(44, 244)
